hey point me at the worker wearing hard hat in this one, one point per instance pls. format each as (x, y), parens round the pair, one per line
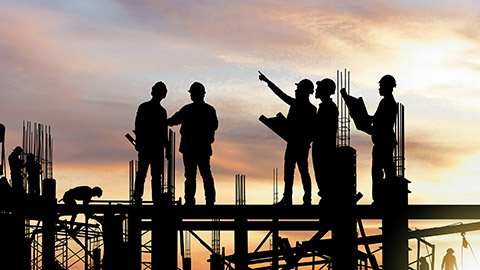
(383, 136)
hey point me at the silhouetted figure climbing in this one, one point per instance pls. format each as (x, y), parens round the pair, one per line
(449, 261)
(34, 169)
(424, 264)
(324, 140)
(81, 193)
(300, 119)
(199, 123)
(16, 166)
(151, 140)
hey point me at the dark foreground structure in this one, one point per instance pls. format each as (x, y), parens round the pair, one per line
(167, 222)
(137, 235)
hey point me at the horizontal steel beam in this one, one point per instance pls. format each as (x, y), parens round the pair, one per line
(37, 210)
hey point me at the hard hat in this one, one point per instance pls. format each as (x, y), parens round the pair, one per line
(305, 85)
(388, 80)
(97, 191)
(18, 149)
(159, 86)
(327, 85)
(197, 87)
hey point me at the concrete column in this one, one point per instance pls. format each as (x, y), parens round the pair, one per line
(241, 244)
(164, 239)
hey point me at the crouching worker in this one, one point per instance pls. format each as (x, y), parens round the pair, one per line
(81, 193)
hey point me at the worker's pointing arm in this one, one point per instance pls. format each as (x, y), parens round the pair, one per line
(286, 98)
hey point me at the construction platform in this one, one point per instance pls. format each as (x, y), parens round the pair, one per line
(167, 221)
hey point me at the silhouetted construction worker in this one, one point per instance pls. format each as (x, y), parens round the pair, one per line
(34, 169)
(325, 136)
(383, 136)
(16, 166)
(199, 123)
(449, 261)
(81, 193)
(300, 119)
(151, 140)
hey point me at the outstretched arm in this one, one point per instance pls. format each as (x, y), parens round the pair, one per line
(286, 98)
(176, 118)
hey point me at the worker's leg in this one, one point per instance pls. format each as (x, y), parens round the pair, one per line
(143, 162)
(208, 183)
(190, 164)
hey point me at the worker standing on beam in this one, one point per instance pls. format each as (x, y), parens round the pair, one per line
(199, 122)
(324, 140)
(151, 133)
(16, 166)
(34, 169)
(300, 119)
(383, 136)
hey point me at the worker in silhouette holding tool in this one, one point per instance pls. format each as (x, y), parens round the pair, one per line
(324, 140)
(34, 169)
(151, 140)
(383, 136)
(80, 193)
(198, 122)
(16, 166)
(449, 261)
(300, 119)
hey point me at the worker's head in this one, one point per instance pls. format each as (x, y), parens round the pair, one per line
(30, 156)
(450, 251)
(96, 191)
(159, 91)
(304, 88)
(387, 83)
(197, 91)
(18, 150)
(325, 88)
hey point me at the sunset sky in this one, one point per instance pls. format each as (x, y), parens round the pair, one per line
(83, 67)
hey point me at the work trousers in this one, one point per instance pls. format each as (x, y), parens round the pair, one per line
(154, 159)
(323, 165)
(297, 155)
(191, 162)
(382, 166)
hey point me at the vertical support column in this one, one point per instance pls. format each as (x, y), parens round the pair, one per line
(48, 239)
(275, 244)
(241, 244)
(87, 260)
(344, 236)
(395, 225)
(134, 238)
(96, 258)
(164, 238)
(12, 244)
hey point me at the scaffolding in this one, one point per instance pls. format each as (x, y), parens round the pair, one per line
(37, 140)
